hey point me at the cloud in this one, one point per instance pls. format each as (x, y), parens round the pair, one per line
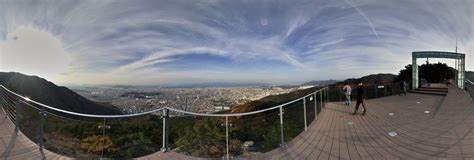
(33, 52)
(141, 42)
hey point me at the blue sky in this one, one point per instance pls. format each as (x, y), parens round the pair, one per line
(199, 41)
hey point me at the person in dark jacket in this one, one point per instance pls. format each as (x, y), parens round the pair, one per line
(360, 98)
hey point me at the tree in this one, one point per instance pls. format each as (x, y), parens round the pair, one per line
(96, 143)
(433, 73)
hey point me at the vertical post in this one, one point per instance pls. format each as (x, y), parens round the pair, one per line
(304, 110)
(456, 68)
(281, 128)
(315, 105)
(41, 142)
(164, 147)
(414, 70)
(227, 136)
(17, 115)
(385, 91)
(463, 72)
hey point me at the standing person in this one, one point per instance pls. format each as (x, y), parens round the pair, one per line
(360, 98)
(347, 91)
(403, 88)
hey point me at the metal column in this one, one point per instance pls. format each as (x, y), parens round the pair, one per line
(281, 128)
(165, 116)
(414, 75)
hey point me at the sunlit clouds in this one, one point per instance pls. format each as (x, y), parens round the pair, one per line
(167, 42)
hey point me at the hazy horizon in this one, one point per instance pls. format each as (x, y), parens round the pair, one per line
(150, 42)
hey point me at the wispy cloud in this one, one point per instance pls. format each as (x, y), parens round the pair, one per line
(155, 41)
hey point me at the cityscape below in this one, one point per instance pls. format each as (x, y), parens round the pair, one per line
(138, 99)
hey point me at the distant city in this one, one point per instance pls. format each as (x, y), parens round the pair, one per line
(203, 100)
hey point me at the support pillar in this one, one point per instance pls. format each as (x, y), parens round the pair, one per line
(165, 116)
(414, 75)
(282, 144)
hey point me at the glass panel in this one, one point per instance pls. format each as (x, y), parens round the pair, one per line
(369, 91)
(75, 137)
(470, 88)
(110, 138)
(254, 134)
(318, 102)
(134, 136)
(197, 136)
(293, 120)
(310, 109)
(29, 120)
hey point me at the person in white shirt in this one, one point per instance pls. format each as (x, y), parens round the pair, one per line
(347, 91)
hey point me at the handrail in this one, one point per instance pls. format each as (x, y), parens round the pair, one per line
(157, 110)
(470, 81)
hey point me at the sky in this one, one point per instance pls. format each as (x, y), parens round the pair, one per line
(142, 42)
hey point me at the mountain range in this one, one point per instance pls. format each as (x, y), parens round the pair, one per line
(46, 92)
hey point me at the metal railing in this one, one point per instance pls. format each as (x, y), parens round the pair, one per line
(266, 126)
(241, 134)
(371, 91)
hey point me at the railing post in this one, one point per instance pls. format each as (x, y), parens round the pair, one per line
(227, 136)
(281, 128)
(165, 116)
(315, 105)
(41, 142)
(17, 115)
(304, 110)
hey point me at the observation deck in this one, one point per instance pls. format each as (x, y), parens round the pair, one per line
(416, 126)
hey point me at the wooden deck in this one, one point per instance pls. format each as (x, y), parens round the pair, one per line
(443, 133)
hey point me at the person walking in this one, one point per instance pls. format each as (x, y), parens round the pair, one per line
(347, 91)
(403, 88)
(360, 98)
